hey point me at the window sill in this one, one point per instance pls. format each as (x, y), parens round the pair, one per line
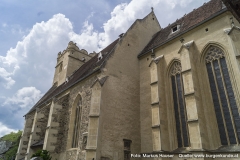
(227, 149)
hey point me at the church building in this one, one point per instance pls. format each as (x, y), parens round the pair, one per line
(170, 93)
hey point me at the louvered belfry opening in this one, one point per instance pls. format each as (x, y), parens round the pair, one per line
(225, 106)
(77, 122)
(179, 105)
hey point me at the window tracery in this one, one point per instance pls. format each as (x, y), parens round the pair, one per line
(214, 53)
(176, 68)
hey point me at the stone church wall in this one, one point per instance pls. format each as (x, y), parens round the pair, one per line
(83, 89)
(206, 121)
(120, 93)
(43, 121)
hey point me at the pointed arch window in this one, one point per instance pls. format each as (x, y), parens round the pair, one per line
(179, 105)
(76, 131)
(225, 106)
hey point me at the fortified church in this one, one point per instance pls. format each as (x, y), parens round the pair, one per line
(162, 91)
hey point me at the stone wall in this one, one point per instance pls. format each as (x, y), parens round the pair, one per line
(120, 101)
(201, 116)
(83, 89)
(42, 122)
(63, 119)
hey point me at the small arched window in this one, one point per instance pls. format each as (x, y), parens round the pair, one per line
(76, 131)
(225, 106)
(179, 105)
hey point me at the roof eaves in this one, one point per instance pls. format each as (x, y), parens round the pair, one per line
(178, 35)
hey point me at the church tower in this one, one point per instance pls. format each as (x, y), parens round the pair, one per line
(68, 61)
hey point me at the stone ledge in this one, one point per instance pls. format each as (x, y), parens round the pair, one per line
(154, 103)
(192, 120)
(181, 150)
(154, 83)
(189, 94)
(197, 150)
(226, 149)
(187, 70)
(94, 115)
(156, 126)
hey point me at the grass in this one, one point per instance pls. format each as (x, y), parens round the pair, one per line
(15, 138)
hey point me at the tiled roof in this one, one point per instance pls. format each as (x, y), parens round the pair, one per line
(84, 71)
(187, 22)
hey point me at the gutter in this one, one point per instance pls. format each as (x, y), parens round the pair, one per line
(191, 28)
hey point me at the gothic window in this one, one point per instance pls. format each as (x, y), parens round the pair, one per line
(179, 105)
(127, 149)
(77, 122)
(225, 106)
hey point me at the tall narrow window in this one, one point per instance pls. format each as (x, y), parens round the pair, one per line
(77, 122)
(225, 106)
(179, 105)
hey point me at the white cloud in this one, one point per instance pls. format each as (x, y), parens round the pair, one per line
(5, 130)
(5, 78)
(25, 97)
(4, 25)
(40, 46)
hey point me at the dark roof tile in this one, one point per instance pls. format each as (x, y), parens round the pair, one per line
(186, 22)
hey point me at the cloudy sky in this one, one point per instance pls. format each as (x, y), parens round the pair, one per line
(33, 32)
